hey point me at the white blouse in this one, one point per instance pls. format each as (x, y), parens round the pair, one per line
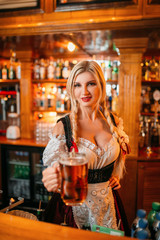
(98, 207)
(97, 157)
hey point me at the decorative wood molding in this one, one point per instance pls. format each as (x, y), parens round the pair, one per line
(20, 8)
(153, 2)
(151, 6)
(72, 5)
(131, 51)
(25, 93)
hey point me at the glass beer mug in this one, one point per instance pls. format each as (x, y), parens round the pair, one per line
(74, 178)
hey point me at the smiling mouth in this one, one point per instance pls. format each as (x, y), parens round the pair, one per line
(86, 99)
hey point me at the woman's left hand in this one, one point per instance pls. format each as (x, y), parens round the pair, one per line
(114, 183)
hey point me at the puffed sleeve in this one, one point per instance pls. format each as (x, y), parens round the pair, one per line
(54, 149)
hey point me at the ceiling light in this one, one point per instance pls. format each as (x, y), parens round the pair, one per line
(71, 47)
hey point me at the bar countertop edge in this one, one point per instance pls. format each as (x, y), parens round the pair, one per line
(13, 227)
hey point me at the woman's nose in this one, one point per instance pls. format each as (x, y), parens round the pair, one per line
(85, 90)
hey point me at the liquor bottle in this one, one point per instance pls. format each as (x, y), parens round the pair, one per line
(43, 100)
(50, 69)
(115, 72)
(153, 68)
(18, 70)
(53, 96)
(65, 70)
(155, 133)
(58, 99)
(142, 231)
(40, 214)
(142, 135)
(143, 65)
(66, 100)
(49, 101)
(58, 70)
(11, 70)
(152, 214)
(141, 213)
(62, 102)
(5, 72)
(146, 107)
(42, 69)
(36, 70)
(147, 70)
(103, 67)
(109, 71)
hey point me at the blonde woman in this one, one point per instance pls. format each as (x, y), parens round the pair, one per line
(99, 135)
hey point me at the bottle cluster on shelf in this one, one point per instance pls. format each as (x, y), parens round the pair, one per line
(51, 69)
(60, 69)
(110, 69)
(151, 68)
(19, 167)
(149, 132)
(150, 99)
(52, 98)
(10, 69)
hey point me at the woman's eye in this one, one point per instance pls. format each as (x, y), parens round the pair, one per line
(76, 85)
(92, 84)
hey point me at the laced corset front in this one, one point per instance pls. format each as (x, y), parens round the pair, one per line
(99, 205)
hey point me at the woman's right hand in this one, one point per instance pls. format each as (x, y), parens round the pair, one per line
(51, 178)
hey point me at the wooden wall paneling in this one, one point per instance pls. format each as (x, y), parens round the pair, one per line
(151, 8)
(109, 18)
(12, 11)
(49, 6)
(25, 93)
(131, 51)
(129, 188)
(81, 5)
(148, 187)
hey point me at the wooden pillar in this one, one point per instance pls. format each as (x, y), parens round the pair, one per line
(25, 93)
(131, 51)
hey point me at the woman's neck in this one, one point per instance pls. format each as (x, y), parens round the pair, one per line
(88, 113)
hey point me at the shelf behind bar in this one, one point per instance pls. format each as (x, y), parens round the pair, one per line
(112, 82)
(49, 110)
(148, 114)
(50, 81)
(153, 82)
(9, 81)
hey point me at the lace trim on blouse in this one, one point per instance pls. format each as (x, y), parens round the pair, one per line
(57, 145)
(85, 142)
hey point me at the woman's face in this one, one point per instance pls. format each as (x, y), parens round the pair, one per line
(86, 90)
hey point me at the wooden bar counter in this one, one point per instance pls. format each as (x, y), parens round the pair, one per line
(21, 142)
(13, 227)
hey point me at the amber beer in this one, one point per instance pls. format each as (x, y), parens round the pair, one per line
(74, 182)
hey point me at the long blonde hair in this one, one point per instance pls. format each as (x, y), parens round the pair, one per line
(94, 68)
